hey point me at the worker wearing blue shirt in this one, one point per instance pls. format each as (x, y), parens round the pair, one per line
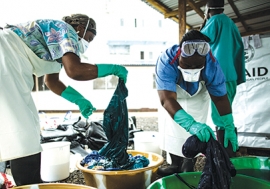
(187, 76)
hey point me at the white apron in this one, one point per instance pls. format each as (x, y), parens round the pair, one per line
(172, 135)
(19, 121)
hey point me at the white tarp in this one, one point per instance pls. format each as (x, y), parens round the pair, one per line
(251, 106)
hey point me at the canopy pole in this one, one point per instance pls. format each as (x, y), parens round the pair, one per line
(182, 18)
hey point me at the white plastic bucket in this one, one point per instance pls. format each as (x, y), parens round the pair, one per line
(55, 161)
(147, 141)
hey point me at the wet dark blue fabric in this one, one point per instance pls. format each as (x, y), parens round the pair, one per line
(113, 155)
(115, 125)
(218, 168)
(97, 162)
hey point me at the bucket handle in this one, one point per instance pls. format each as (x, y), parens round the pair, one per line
(181, 179)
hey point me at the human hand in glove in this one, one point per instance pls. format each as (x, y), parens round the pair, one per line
(229, 134)
(74, 96)
(112, 69)
(202, 131)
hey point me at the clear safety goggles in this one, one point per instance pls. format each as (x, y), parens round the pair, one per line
(190, 47)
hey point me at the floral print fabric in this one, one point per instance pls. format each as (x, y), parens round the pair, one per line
(48, 39)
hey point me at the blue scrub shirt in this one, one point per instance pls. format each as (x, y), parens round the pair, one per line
(168, 75)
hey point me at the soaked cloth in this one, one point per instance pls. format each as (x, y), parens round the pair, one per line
(97, 162)
(113, 155)
(20, 129)
(48, 39)
(218, 168)
(116, 127)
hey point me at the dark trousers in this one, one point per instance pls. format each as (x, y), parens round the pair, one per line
(26, 170)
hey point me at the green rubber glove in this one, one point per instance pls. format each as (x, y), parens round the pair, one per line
(74, 96)
(112, 69)
(202, 131)
(230, 134)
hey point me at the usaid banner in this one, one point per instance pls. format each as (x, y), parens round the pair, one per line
(251, 106)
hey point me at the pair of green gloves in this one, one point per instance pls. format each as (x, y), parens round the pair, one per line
(86, 108)
(203, 131)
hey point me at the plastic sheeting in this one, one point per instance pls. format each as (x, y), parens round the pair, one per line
(251, 106)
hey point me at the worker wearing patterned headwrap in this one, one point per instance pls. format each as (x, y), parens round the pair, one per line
(227, 46)
(41, 47)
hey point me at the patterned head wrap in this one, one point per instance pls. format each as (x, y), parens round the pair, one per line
(76, 19)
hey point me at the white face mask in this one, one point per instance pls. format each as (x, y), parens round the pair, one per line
(190, 75)
(83, 44)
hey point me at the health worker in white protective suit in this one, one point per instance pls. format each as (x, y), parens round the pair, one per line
(187, 76)
(41, 47)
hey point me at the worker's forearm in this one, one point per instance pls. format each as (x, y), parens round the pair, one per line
(222, 104)
(77, 70)
(172, 106)
(54, 84)
(169, 102)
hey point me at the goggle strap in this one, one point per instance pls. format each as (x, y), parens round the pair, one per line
(86, 27)
(212, 57)
(176, 56)
(203, 47)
